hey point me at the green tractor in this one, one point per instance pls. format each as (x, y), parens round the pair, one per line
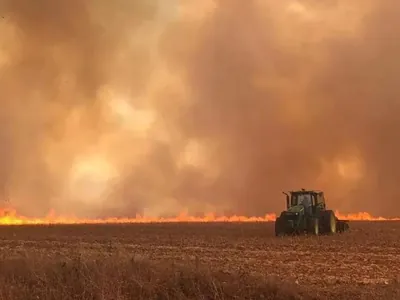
(306, 213)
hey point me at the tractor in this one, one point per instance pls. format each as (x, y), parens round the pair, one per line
(306, 213)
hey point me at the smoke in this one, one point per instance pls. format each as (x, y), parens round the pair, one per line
(56, 58)
(124, 107)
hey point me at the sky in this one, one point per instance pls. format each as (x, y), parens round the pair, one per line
(155, 107)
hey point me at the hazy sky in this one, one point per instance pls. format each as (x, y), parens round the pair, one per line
(111, 108)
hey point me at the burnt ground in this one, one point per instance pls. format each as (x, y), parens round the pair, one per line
(361, 264)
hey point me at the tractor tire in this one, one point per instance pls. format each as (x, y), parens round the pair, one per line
(278, 227)
(329, 220)
(314, 226)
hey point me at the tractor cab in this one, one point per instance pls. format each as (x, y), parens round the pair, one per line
(310, 200)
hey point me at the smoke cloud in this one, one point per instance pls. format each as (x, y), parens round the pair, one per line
(125, 107)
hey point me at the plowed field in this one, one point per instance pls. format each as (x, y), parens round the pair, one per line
(361, 264)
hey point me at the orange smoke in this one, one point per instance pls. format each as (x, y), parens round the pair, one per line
(11, 217)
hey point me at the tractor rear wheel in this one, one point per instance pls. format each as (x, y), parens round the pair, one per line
(314, 226)
(330, 222)
(278, 227)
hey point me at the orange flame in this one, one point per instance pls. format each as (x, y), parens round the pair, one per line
(363, 216)
(10, 217)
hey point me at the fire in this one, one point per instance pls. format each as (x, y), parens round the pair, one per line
(10, 217)
(363, 216)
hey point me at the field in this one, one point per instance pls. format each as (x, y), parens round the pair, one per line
(198, 261)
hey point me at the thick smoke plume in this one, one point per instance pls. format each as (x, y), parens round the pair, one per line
(124, 107)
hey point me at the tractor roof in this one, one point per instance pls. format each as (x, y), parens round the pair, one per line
(303, 191)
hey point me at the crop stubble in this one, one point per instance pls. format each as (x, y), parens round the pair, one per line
(364, 261)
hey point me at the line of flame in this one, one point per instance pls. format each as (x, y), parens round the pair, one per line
(363, 216)
(10, 217)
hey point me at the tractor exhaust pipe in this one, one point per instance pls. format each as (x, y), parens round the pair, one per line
(287, 199)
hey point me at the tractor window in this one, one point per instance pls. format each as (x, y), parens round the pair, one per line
(304, 199)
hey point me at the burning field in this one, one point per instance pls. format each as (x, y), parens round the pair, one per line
(130, 120)
(187, 257)
(197, 261)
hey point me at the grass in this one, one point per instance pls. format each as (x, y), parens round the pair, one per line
(116, 277)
